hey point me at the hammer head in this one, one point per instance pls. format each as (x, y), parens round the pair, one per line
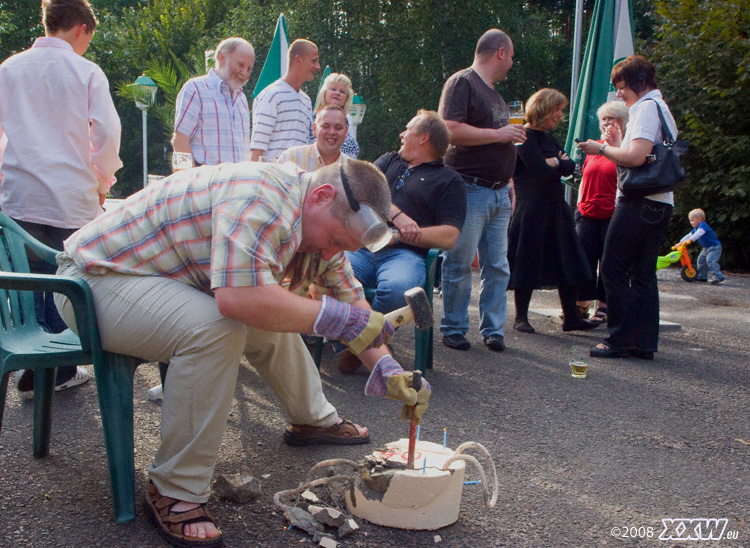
(417, 300)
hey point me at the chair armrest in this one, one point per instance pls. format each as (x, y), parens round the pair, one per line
(76, 289)
(41, 250)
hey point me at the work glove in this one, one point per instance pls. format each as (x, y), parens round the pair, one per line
(358, 328)
(388, 379)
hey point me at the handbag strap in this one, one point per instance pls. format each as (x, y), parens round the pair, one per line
(665, 133)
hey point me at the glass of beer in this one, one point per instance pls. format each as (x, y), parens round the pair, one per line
(181, 160)
(516, 114)
(579, 361)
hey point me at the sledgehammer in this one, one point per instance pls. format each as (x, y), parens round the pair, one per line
(417, 308)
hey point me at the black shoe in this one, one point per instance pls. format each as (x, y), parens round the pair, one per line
(579, 325)
(643, 354)
(603, 350)
(456, 342)
(496, 343)
(523, 326)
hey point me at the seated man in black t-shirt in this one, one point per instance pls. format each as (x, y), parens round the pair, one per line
(428, 209)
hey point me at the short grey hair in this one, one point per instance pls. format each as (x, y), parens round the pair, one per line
(227, 46)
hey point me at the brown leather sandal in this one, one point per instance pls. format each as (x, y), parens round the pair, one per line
(344, 432)
(171, 524)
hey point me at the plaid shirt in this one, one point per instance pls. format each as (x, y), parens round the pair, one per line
(232, 225)
(306, 157)
(218, 126)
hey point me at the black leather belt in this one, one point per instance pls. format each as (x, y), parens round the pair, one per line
(484, 183)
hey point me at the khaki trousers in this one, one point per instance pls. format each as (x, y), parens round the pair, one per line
(162, 320)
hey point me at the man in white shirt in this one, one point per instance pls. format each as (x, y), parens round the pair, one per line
(212, 117)
(282, 112)
(63, 144)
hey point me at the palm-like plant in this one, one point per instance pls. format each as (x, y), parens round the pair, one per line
(170, 76)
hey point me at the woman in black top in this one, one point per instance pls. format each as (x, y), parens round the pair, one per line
(543, 248)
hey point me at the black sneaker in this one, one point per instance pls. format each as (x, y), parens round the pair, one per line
(496, 343)
(456, 342)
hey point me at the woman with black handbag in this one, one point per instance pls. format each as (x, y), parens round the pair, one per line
(635, 232)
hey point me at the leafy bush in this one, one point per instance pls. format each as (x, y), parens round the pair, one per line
(702, 52)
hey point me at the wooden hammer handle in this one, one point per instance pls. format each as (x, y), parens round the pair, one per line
(400, 316)
(416, 385)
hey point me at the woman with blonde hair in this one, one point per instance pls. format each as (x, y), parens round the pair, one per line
(543, 248)
(596, 205)
(337, 90)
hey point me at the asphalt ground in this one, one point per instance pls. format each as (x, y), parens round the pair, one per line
(601, 461)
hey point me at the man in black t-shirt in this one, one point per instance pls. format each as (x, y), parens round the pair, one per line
(482, 152)
(428, 209)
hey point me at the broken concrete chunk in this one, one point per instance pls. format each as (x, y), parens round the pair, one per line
(299, 518)
(327, 516)
(318, 536)
(309, 497)
(328, 543)
(241, 488)
(348, 528)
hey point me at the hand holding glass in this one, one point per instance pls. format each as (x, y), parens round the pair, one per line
(516, 115)
(181, 160)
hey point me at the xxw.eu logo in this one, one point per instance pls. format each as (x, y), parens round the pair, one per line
(695, 529)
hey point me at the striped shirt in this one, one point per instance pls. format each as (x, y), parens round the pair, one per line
(281, 119)
(231, 225)
(217, 124)
(306, 157)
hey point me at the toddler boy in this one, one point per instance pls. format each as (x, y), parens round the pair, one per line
(708, 259)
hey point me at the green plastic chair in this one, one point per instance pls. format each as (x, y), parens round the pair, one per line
(24, 345)
(423, 338)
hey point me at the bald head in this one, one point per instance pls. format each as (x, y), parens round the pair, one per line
(490, 42)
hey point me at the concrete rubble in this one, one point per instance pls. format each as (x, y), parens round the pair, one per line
(320, 514)
(241, 487)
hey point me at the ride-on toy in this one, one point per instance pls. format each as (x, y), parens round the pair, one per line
(679, 253)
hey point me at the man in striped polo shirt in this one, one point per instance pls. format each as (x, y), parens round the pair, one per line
(282, 113)
(212, 117)
(214, 263)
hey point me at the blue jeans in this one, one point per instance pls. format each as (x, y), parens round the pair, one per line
(485, 230)
(391, 272)
(708, 261)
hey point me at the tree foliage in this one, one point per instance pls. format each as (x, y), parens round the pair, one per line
(704, 72)
(398, 55)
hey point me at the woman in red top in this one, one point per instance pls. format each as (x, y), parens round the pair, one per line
(596, 204)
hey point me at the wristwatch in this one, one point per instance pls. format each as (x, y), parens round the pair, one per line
(601, 150)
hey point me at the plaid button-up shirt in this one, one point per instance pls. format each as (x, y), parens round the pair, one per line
(306, 157)
(232, 225)
(217, 124)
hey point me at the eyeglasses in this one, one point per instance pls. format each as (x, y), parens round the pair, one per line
(402, 179)
(364, 220)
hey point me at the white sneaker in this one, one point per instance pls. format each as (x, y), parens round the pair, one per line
(25, 382)
(81, 376)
